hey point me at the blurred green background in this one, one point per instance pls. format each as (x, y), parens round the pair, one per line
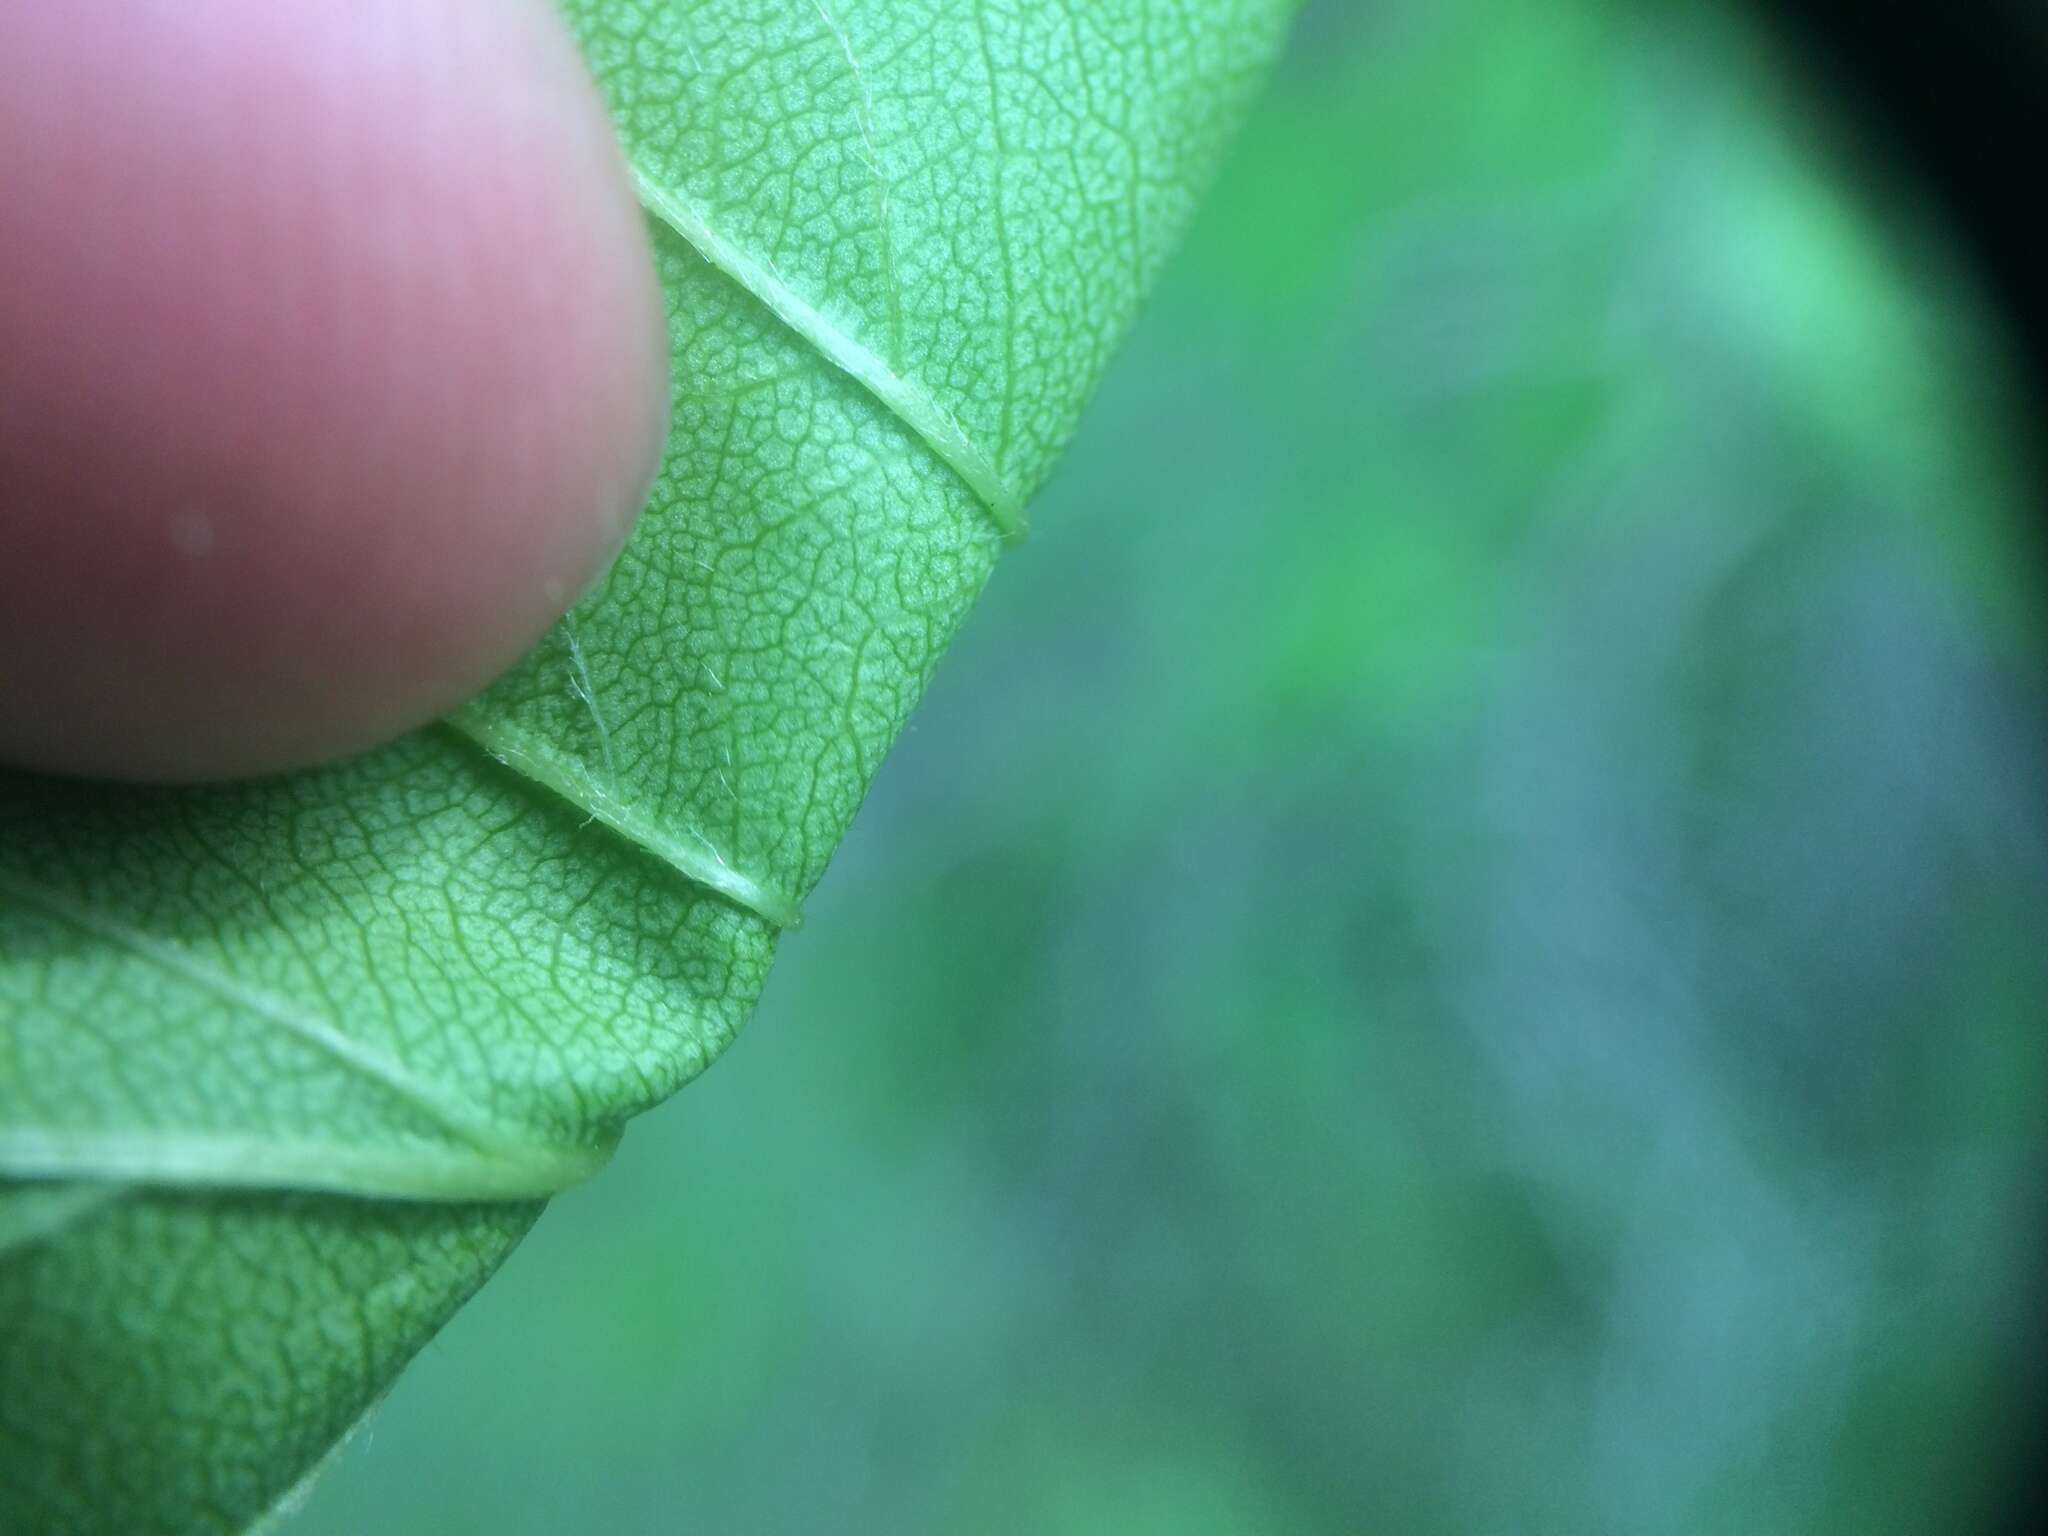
(1458, 946)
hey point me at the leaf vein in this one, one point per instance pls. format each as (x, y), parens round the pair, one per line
(702, 864)
(460, 1118)
(404, 1170)
(905, 397)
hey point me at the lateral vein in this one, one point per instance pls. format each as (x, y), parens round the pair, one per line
(700, 863)
(905, 397)
(404, 1170)
(461, 1119)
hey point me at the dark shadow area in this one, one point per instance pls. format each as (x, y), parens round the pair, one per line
(1956, 98)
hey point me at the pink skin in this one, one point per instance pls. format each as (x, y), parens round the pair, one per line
(332, 369)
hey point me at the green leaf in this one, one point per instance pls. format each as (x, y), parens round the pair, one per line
(287, 1068)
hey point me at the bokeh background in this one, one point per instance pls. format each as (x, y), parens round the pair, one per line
(1458, 945)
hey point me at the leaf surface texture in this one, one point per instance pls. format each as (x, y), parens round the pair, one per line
(287, 1068)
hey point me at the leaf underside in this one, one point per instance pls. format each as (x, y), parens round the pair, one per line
(287, 1068)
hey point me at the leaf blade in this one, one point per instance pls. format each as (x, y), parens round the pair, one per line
(529, 951)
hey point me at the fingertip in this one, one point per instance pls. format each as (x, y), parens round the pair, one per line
(332, 366)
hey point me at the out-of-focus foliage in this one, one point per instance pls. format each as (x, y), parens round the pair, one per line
(1458, 945)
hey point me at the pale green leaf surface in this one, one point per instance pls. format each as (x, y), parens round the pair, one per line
(286, 1068)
